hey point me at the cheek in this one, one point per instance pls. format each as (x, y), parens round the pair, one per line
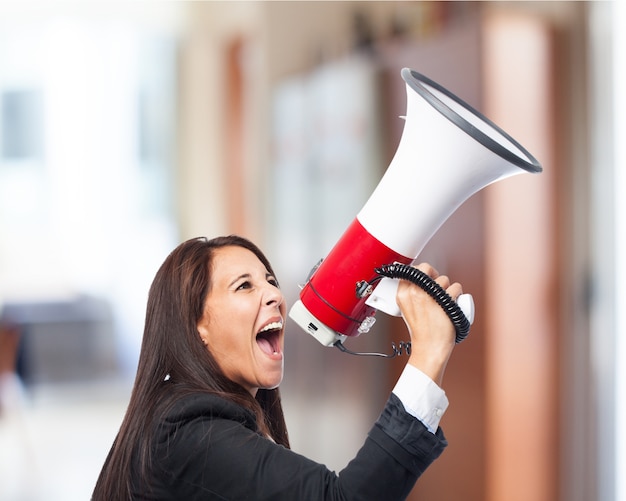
(227, 333)
(229, 323)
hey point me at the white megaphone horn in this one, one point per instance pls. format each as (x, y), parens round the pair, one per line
(448, 151)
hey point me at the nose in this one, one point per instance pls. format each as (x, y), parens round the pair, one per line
(273, 296)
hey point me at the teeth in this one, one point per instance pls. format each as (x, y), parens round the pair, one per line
(272, 326)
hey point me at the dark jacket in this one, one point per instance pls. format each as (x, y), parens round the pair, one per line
(208, 448)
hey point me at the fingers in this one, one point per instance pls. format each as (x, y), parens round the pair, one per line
(454, 290)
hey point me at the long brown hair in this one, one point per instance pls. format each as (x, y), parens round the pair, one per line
(172, 349)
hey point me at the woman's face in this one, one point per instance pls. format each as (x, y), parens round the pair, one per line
(243, 319)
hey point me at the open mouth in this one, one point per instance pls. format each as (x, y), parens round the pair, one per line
(268, 338)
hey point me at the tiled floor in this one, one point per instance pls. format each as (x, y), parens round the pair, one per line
(53, 441)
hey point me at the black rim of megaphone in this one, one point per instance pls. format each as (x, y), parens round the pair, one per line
(415, 79)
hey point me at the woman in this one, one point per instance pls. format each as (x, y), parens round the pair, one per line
(205, 420)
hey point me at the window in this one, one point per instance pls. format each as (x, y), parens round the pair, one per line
(21, 113)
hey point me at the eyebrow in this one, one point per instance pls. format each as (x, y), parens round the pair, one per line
(245, 275)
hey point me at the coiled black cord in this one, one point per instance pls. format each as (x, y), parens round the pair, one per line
(434, 290)
(421, 279)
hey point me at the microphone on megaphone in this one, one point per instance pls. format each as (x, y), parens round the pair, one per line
(448, 151)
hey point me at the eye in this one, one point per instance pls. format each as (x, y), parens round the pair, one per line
(273, 281)
(244, 285)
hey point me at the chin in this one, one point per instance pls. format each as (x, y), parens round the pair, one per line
(272, 385)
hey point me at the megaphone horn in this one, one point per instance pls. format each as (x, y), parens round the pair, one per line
(448, 151)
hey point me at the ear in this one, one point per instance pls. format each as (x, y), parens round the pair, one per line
(203, 330)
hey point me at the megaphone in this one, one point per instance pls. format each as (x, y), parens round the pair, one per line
(448, 151)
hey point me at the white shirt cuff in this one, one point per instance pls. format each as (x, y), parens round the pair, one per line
(421, 397)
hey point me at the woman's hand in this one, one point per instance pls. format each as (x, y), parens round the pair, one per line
(432, 332)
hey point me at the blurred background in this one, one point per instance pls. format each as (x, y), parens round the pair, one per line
(127, 127)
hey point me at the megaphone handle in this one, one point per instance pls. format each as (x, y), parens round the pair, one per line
(466, 303)
(405, 272)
